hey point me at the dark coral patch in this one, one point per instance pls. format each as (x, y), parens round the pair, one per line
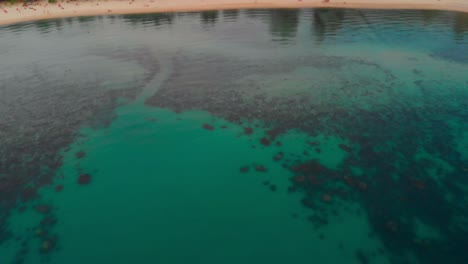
(311, 166)
(42, 208)
(349, 181)
(278, 156)
(327, 198)
(313, 143)
(80, 154)
(208, 127)
(391, 226)
(362, 186)
(260, 168)
(48, 222)
(244, 169)
(58, 188)
(84, 179)
(273, 188)
(299, 179)
(28, 194)
(248, 130)
(265, 141)
(362, 257)
(345, 148)
(418, 183)
(274, 132)
(47, 245)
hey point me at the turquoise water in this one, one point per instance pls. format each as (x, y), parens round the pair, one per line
(250, 136)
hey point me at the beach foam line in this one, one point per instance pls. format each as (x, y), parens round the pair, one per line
(10, 14)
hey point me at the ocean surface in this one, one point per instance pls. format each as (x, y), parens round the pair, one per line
(242, 136)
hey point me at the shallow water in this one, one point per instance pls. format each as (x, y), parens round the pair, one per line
(250, 136)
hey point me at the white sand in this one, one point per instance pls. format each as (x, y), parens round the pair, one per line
(43, 10)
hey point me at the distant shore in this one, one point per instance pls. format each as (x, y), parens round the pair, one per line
(15, 13)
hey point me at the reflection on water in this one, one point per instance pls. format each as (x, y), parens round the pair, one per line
(209, 18)
(148, 19)
(327, 22)
(230, 15)
(355, 119)
(283, 23)
(460, 25)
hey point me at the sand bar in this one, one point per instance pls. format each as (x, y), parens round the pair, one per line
(15, 13)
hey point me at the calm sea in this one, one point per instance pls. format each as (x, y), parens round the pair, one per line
(250, 136)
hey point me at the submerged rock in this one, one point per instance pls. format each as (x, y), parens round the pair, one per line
(278, 156)
(39, 232)
(260, 168)
(48, 221)
(391, 226)
(265, 141)
(362, 257)
(84, 179)
(58, 188)
(42, 208)
(244, 169)
(80, 154)
(299, 179)
(327, 198)
(273, 187)
(47, 245)
(208, 127)
(345, 148)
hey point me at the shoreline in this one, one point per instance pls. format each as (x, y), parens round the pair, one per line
(40, 10)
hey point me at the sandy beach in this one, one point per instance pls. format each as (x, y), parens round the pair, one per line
(20, 12)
